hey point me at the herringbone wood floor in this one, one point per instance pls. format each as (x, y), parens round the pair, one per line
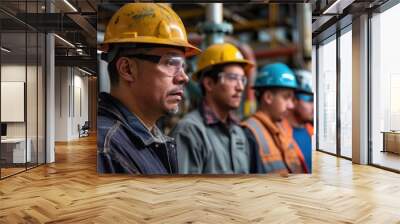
(70, 191)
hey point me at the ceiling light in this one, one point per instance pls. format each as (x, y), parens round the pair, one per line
(70, 5)
(337, 7)
(65, 41)
(5, 49)
(326, 11)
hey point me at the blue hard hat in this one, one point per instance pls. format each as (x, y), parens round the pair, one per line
(276, 75)
(305, 97)
(304, 81)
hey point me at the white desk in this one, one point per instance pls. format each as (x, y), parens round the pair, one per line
(17, 146)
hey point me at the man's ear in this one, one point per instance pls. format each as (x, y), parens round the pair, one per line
(267, 97)
(208, 83)
(127, 69)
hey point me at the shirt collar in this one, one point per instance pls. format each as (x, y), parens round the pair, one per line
(135, 124)
(266, 120)
(211, 118)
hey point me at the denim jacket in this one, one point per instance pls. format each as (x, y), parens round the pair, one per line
(125, 145)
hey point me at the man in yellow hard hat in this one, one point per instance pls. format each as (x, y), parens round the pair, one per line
(209, 139)
(145, 46)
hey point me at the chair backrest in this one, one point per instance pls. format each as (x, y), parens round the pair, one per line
(86, 125)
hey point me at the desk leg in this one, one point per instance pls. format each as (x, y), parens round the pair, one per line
(384, 142)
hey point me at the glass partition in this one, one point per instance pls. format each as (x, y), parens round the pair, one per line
(346, 93)
(15, 150)
(327, 96)
(22, 89)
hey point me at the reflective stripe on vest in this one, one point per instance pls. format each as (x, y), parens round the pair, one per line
(271, 156)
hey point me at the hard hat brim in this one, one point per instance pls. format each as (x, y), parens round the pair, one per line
(190, 50)
(301, 91)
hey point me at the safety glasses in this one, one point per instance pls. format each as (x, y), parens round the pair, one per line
(170, 63)
(232, 78)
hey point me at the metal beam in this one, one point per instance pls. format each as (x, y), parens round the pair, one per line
(81, 61)
(48, 22)
(337, 7)
(320, 22)
(249, 25)
(86, 26)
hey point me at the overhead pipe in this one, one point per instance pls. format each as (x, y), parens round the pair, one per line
(307, 35)
(276, 52)
(213, 18)
(214, 13)
(214, 28)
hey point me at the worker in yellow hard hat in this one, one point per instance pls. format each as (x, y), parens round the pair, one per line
(145, 45)
(209, 139)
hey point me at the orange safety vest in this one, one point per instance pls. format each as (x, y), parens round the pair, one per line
(289, 131)
(277, 151)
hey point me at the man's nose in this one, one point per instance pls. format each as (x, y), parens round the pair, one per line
(290, 104)
(239, 85)
(181, 78)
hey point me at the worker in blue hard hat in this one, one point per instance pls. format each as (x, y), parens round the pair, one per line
(275, 86)
(298, 122)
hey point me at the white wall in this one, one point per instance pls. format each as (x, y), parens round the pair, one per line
(80, 100)
(12, 73)
(71, 94)
(61, 103)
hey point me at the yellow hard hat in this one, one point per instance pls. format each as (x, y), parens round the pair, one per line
(218, 54)
(147, 23)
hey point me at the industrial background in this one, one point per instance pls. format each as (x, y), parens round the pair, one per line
(265, 33)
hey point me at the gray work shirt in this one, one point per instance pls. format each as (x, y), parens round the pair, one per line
(206, 145)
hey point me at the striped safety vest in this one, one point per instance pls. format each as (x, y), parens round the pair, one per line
(277, 151)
